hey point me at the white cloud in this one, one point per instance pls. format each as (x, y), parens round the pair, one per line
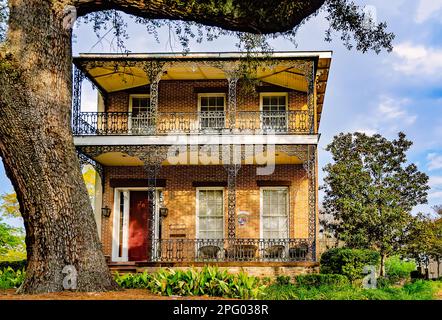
(435, 181)
(390, 116)
(435, 195)
(390, 109)
(417, 59)
(434, 161)
(426, 9)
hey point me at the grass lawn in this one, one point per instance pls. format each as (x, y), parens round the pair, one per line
(419, 290)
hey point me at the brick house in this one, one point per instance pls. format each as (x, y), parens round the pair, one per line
(196, 166)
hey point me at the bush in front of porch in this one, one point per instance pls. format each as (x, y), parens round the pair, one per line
(210, 281)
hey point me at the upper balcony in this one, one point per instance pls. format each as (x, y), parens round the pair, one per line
(210, 122)
(200, 94)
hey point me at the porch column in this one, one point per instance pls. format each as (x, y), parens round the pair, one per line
(232, 172)
(231, 158)
(310, 78)
(232, 75)
(77, 81)
(311, 166)
(154, 70)
(233, 80)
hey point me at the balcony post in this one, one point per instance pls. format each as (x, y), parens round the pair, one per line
(77, 81)
(310, 166)
(310, 78)
(232, 101)
(231, 157)
(154, 70)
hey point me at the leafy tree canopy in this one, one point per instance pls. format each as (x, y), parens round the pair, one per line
(370, 191)
(356, 28)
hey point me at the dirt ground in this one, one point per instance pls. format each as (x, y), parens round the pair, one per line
(131, 294)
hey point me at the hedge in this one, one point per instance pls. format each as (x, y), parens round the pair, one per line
(317, 280)
(14, 265)
(348, 262)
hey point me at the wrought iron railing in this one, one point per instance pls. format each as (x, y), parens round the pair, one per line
(161, 123)
(231, 250)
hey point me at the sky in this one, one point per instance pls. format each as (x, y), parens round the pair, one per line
(385, 93)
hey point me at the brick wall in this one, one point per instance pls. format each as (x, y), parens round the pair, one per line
(179, 96)
(180, 197)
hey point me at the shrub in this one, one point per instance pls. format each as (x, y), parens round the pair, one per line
(10, 278)
(209, 281)
(14, 265)
(348, 262)
(133, 281)
(317, 280)
(398, 269)
(383, 282)
(283, 280)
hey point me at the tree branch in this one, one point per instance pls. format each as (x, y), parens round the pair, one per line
(262, 17)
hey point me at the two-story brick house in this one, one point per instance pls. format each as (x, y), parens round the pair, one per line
(197, 166)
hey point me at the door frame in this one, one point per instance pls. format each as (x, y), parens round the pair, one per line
(126, 215)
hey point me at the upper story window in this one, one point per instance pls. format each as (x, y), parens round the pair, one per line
(139, 104)
(140, 111)
(211, 108)
(274, 107)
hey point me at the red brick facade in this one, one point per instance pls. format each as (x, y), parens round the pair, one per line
(180, 197)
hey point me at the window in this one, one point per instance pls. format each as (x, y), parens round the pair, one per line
(210, 210)
(212, 111)
(274, 213)
(140, 113)
(274, 111)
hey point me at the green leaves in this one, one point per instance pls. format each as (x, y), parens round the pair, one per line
(9, 278)
(348, 262)
(370, 190)
(209, 281)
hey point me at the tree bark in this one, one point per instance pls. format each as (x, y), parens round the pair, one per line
(36, 143)
(382, 271)
(263, 16)
(37, 149)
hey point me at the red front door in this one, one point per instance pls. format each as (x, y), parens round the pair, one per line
(139, 231)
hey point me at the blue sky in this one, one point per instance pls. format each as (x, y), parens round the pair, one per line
(385, 93)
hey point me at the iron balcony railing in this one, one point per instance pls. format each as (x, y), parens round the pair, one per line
(126, 123)
(230, 250)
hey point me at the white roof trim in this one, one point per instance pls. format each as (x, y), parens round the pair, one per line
(206, 55)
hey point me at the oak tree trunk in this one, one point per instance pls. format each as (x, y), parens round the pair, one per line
(38, 153)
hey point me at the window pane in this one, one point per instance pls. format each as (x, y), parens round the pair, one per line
(275, 214)
(211, 212)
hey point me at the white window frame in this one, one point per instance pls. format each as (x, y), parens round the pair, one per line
(116, 221)
(209, 95)
(261, 208)
(273, 94)
(197, 207)
(131, 96)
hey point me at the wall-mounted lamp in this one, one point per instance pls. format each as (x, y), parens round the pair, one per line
(106, 211)
(164, 212)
